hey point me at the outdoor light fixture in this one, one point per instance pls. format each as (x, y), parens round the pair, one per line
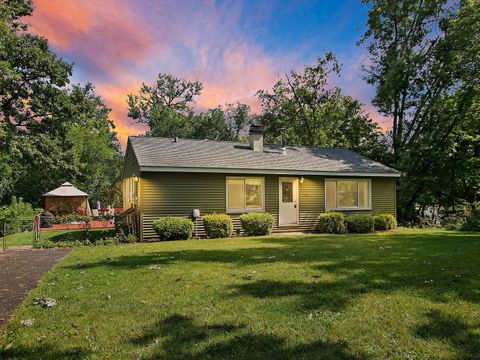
(135, 178)
(301, 180)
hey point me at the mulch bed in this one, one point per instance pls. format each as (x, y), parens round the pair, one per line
(20, 271)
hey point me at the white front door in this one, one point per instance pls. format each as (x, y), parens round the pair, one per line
(288, 201)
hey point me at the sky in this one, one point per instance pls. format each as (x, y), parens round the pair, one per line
(234, 48)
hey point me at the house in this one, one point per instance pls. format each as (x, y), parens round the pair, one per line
(172, 177)
(67, 199)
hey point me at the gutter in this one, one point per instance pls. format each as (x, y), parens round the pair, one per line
(264, 171)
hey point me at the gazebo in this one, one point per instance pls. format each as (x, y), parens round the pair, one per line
(67, 199)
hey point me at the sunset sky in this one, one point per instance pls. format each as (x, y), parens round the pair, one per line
(233, 47)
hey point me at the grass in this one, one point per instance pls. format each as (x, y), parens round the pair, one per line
(26, 238)
(408, 294)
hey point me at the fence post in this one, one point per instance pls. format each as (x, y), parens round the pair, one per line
(4, 246)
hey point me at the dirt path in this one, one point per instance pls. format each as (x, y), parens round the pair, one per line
(20, 271)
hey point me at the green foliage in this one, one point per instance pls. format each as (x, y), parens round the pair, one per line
(255, 224)
(19, 216)
(425, 66)
(331, 222)
(166, 107)
(217, 225)
(44, 244)
(173, 228)
(315, 114)
(384, 222)
(50, 131)
(360, 223)
(131, 239)
(472, 223)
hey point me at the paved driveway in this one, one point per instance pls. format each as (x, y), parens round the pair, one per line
(20, 271)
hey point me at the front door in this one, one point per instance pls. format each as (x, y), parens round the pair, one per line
(288, 201)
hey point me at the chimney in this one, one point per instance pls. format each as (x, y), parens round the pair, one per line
(255, 136)
(284, 142)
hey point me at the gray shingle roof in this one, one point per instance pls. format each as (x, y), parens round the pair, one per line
(157, 154)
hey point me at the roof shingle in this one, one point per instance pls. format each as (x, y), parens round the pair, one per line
(154, 153)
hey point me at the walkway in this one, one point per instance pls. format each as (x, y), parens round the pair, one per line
(20, 271)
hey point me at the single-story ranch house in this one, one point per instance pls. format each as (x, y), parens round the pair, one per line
(172, 177)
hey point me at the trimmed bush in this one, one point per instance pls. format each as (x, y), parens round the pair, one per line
(331, 222)
(359, 223)
(255, 224)
(173, 228)
(218, 225)
(385, 222)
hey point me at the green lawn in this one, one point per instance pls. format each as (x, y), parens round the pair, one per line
(407, 295)
(26, 238)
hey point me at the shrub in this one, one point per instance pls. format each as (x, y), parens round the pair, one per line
(331, 222)
(108, 241)
(254, 224)
(360, 223)
(44, 244)
(218, 225)
(385, 222)
(131, 239)
(472, 223)
(173, 228)
(19, 216)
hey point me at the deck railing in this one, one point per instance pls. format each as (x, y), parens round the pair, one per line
(128, 221)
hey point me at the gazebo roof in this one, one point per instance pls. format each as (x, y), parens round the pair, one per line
(66, 189)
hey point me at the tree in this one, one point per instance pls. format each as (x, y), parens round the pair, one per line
(314, 114)
(49, 133)
(167, 109)
(424, 63)
(75, 144)
(164, 107)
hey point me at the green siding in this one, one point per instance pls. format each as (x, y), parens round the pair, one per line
(130, 167)
(177, 194)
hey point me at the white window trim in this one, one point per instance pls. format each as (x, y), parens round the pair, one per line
(351, 208)
(245, 209)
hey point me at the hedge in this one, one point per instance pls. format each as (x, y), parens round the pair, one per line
(255, 224)
(385, 222)
(360, 223)
(218, 225)
(173, 228)
(331, 222)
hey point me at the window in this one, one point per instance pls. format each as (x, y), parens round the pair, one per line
(347, 194)
(245, 194)
(130, 192)
(287, 192)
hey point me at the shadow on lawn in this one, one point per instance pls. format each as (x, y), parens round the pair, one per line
(42, 352)
(446, 327)
(438, 266)
(178, 337)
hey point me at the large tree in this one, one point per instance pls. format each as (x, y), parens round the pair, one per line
(49, 132)
(164, 106)
(425, 65)
(315, 114)
(167, 108)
